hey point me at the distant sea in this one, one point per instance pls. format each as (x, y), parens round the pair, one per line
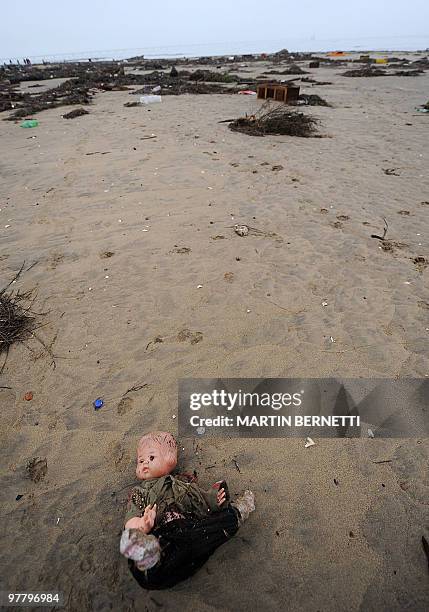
(387, 43)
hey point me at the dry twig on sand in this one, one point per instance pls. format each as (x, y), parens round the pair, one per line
(278, 119)
(18, 322)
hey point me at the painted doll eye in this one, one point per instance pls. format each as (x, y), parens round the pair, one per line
(152, 457)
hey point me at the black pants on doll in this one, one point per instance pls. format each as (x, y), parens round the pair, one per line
(186, 544)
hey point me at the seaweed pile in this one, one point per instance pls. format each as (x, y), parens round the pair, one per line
(365, 72)
(275, 120)
(312, 100)
(293, 69)
(77, 112)
(17, 323)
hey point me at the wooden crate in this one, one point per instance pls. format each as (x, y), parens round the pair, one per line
(280, 93)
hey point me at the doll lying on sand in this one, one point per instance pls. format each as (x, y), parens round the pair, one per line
(172, 526)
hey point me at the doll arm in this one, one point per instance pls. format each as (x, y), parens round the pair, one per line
(143, 523)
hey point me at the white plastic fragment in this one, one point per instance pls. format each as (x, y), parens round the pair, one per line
(309, 442)
(371, 433)
(241, 230)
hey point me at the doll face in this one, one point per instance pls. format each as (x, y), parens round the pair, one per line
(152, 463)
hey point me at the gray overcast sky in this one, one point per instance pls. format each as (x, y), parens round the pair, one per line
(30, 28)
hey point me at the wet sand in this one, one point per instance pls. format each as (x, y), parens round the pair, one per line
(163, 209)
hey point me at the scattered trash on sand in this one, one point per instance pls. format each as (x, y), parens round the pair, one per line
(241, 230)
(150, 99)
(312, 100)
(78, 112)
(30, 123)
(275, 120)
(309, 442)
(246, 92)
(98, 403)
(37, 468)
(391, 171)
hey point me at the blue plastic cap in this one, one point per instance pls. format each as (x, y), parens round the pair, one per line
(98, 403)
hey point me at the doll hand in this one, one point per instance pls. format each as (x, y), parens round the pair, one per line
(220, 497)
(148, 519)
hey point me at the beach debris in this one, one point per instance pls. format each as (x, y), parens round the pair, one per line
(405, 213)
(28, 396)
(309, 442)
(336, 482)
(365, 72)
(29, 123)
(420, 262)
(312, 100)
(37, 468)
(18, 322)
(383, 237)
(229, 277)
(150, 99)
(18, 497)
(324, 303)
(332, 339)
(181, 250)
(106, 254)
(173, 73)
(77, 112)
(371, 434)
(241, 230)
(244, 92)
(98, 403)
(286, 92)
(391, 171)
(199, 286)
(277, 168)
(277, 119)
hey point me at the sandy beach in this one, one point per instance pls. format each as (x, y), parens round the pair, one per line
(144, 282)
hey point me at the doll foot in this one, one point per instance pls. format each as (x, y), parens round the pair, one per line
(245, 504)
(143, 549)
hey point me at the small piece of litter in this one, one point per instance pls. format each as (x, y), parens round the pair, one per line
(58, 520)
(18, 497)
(200, 430)
(173, 416)
(371, 433)
(28, 396)
(98, 403)
(248, 310)
(309, 442)
(331, 339)
(324, 303)
(199, 286)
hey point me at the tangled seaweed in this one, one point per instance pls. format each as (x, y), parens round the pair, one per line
(275, 120)
(18, 322)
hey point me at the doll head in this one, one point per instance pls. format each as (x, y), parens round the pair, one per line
(156, 455)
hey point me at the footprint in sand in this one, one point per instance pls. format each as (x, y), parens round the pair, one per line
(125, 405)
